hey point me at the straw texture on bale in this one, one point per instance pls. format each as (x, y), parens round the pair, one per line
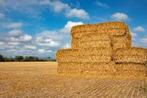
(84, 52)
(97, 68)
(130, 55)
(99, 41)
(124, 69)
(121, 41)
(76, 43)
(92, 58)
(132, 69)
(107, 28)
(96, 37)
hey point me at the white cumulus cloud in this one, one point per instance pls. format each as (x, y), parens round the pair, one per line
(15, 32)
(67, 45)
(25, 38)
(139, 29)
(46, 41)
(18, 36)
(120, 16)
(57, 6)
(69, 25)
(66, 9)
(79, 13)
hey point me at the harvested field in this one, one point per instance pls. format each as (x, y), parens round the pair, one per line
(40, 80)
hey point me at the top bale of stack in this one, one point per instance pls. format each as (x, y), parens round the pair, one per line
(108, 28)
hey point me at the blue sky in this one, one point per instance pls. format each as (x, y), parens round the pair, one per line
(40, 27)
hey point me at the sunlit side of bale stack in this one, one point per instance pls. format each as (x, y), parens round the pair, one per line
(102, 49)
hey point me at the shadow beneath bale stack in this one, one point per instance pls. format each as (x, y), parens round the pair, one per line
(102, 49)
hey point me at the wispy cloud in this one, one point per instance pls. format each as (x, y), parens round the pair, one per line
(15, 25)
(100, 4)
(2, 15)
(56, 5)
(79, 13)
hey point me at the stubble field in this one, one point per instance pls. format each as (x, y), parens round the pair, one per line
(40, 80)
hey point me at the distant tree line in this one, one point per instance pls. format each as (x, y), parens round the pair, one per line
(23, 59)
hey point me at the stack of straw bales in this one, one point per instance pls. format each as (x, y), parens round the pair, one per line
(102, 49)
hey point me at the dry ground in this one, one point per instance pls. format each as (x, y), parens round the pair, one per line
(40, 80)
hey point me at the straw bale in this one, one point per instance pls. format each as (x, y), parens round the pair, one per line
(130, 55)
(95, 37)
(131, 69)
(121, 41)
(117, 45)
(97, 68)
(98, 26)
(77, 43)
(110, 69)
(110, 32)
(121, 38)
(91, 58)
(107, 28)
(70, 52)
(84, 52)
(90, 41)
(131, 51)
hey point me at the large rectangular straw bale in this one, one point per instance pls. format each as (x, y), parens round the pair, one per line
(131, 69)
(91, 58)
(109, 29)
(77, 43)
(97, 68)
(121, 41)
(84, 52)
(95, 37)
(90, 41)
(130, 55)
(100, 69)
(84, 55)
(111, 32)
